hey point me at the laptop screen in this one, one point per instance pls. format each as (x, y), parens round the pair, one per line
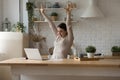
(33, 53)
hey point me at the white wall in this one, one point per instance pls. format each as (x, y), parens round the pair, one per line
(11, 10)
(100, 32)
(24, 14)
(0, 13)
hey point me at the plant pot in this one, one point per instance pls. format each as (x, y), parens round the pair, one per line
(116, 54)
(90, 55)
(36, 45)
(53, 18)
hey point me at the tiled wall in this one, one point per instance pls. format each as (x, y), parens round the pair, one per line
(100, 32)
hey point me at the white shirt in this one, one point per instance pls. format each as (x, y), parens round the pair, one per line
(61, 48)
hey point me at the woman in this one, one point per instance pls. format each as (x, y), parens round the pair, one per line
(63, 33)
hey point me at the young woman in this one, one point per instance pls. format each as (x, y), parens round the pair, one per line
(63, 33)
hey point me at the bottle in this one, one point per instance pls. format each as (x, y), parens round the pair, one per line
(74, 50)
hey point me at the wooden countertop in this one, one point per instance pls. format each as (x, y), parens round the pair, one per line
(64, 62)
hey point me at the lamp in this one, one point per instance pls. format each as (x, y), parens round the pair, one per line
(92, 10)
(6, 25)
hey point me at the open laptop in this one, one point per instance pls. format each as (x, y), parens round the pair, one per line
(32, 53)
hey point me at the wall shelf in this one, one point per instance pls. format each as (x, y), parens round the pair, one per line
(50, 8)
(53, 21)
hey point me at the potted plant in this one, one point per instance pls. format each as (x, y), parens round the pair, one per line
(36, 39)
(56, 5)
(90, 51)
(19, 27)
(54, 16)
(115, 51)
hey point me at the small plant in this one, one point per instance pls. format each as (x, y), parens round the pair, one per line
(54, 14)
(19, 27)
(90, 49)
(115, 49)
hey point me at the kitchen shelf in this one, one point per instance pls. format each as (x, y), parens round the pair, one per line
(50, 8)
(53, 21)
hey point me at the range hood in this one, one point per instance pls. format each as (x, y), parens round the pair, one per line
(92, 10)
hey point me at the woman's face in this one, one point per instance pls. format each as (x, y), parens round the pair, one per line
(61, 32)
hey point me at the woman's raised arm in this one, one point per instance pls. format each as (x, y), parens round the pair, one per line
(50, 22)
(68, 23)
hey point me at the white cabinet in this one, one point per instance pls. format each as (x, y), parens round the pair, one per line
(11, 44)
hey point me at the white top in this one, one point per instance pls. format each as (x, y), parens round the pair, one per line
(61, 48)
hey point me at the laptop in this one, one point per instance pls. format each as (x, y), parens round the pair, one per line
(32, 53)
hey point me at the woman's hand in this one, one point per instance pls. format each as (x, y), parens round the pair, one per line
(42, 10)
(68, 8)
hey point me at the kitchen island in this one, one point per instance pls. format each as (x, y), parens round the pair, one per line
(66, 69)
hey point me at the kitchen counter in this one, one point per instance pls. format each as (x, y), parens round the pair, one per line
(67, 69)
(108, 62)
